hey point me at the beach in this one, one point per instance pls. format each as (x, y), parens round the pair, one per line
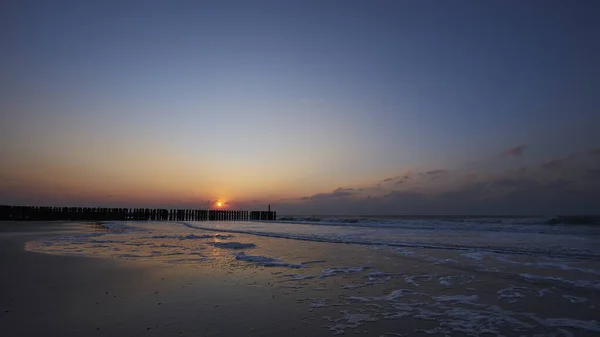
(273, 279)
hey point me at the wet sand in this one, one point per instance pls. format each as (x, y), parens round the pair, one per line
(190, 282)
(51, 295)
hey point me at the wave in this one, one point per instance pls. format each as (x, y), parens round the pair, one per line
(574, 220)
(540, 225)
(479, 220)
(551, 251)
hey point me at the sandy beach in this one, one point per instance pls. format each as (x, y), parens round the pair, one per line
(51, 295)
(162, 279)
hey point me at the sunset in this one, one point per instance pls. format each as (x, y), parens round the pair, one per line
(300, 168)
(199, 101)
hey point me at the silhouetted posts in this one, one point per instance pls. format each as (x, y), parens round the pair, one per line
(46, 213)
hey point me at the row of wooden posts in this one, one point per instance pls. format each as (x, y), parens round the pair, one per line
(43, 213)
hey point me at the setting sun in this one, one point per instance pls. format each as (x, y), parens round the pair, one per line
(219, 204)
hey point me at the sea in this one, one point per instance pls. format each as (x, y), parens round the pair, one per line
(388, 275)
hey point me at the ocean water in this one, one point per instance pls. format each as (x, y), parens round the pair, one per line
(510, 235)
(456, 276)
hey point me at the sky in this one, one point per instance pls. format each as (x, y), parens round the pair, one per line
(313, 107)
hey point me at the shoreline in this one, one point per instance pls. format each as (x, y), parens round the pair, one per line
(170, 279)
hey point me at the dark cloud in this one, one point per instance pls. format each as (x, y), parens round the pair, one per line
(404, 178)
(513, 195)
(433, 173)
(339, 192)
(399, 179)
(343, 190)
(557, 162)
(560, 185)
(515, 151)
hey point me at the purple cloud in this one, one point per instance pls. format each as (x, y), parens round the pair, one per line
(337, 193)
(433, 173)
(399, 179)
(515, 151)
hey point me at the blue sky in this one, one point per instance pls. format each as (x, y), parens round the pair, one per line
(162, 102)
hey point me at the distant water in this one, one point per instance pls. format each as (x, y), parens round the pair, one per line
(572, 236)
(401, 220)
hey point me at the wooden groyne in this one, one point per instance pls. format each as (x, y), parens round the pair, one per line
(44, 213)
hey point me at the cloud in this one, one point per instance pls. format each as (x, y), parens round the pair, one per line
(408, 175)
(529, 190)
(339, 192)
(399, 179)
(515, 151)
(557, 162)
(433, 173)
(510, 193)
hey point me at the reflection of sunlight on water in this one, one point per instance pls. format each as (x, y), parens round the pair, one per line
(215, 251)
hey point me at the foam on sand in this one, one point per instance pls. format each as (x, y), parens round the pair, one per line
(575, 299)
(396, 294)
(336, 271)
(576, 283)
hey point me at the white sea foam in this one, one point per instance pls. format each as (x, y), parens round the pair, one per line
(301, 277)
(572, 323)
(511, 294)
(351, 320)
(562, 265)
(576, 283)
(458, 298)
(416, 279)
(455, 279)
(479, 256)
(396, 294)
(336, 271)
(575, 299)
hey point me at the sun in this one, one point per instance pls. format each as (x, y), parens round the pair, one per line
(219, 204)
